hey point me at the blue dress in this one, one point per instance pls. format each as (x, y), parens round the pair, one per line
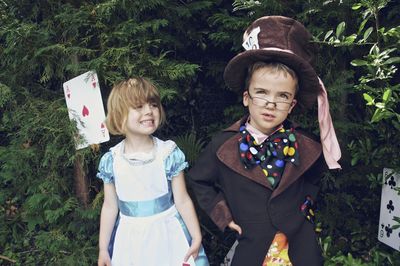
(149, 230)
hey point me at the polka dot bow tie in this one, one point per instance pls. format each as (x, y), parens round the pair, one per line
(271, 155)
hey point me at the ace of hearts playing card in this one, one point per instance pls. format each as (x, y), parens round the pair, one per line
(389, 229)
(85, 107)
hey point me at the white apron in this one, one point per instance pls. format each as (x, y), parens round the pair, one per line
(150, 230)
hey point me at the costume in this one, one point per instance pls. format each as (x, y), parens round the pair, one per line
(228, 191)
(150, 230)
(269, 196)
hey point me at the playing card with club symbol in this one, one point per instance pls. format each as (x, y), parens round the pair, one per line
(85, 106)
(389, 225)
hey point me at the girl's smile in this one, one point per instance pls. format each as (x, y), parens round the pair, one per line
(148, 122)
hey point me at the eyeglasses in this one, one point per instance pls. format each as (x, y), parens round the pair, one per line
(262, 102)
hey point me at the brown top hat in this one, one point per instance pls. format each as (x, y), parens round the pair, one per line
(279, 39)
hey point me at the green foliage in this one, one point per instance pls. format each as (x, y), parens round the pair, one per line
(36, 194)
(376, 257)
(369, 143)
(5, 96)
(190, 145)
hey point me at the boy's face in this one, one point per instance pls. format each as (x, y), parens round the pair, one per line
(270, 98)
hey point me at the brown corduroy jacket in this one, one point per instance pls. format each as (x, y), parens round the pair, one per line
(227, 191)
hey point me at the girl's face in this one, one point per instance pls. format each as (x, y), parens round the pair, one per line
(142, 120)
(270, 98)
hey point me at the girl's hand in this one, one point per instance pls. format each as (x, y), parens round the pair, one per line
(235, 227)
(193, 249)
(104, 258)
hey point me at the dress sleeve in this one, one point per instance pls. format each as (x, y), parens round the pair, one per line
(175, 163)
(105, 171)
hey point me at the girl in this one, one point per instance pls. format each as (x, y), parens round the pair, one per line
(144, 186)
(259, 176)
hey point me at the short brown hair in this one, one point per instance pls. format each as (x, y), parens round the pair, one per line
(273, 67)
(127, 94)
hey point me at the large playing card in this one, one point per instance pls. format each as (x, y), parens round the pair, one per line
(85, 106)
(390, 208)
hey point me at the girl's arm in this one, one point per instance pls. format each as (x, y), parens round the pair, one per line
(109, 213)
(185, 207)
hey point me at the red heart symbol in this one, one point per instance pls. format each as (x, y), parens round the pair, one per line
(103, 128)
(85, 111)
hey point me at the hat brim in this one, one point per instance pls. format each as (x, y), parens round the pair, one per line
(236, 71)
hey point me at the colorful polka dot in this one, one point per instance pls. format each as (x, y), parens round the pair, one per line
(279, 163)
(271, 180)
(253, 150)
(244, 147)
(285, 150)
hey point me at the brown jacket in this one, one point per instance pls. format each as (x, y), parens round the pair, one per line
(227, 191)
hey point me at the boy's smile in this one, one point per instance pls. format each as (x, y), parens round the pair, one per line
(269, 98)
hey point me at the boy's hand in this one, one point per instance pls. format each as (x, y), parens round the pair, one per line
(193, 249)
(104, 258)
(235, 227)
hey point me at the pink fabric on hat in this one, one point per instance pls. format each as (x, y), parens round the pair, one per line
(330, 144)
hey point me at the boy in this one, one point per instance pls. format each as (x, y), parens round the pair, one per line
(260, 175)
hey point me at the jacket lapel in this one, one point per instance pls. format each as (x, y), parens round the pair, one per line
(309, 152)
(228, 153)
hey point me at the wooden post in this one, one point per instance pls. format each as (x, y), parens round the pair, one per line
(81, 182)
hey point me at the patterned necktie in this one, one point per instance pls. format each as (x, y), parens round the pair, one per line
(271, 155)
